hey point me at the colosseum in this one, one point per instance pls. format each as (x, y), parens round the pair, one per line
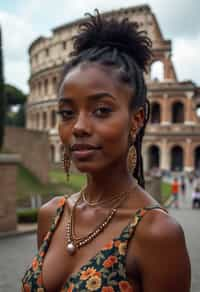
(172, 140)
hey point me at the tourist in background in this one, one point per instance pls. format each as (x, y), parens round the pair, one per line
(175, 187)
(183, 187)
(196, 198)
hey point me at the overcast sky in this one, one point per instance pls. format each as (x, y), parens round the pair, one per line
(24, 20)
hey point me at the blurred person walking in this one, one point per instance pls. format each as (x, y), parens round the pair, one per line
(175, 192)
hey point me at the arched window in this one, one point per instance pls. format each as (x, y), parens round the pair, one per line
(37, 120)
(177, 112)
(154, 157)
(54, 84)
(44, 119)
(39, 88)
(197, 158)
(52, 153)
(46, 86)
(176, 158)
(157, 71)
(53, 118)
(155, 113)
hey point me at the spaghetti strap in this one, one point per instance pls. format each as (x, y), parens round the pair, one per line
(55, 221)
(139, 214)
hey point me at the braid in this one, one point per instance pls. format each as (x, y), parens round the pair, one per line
(138, 171)
(120, 45)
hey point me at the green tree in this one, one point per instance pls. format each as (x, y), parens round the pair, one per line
(14, 97)
(2, 95)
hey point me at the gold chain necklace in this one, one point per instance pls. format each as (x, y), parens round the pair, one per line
(100, 202)
(74, 242)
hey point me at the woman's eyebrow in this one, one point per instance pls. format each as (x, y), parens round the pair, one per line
(99, 95)
(96, 96)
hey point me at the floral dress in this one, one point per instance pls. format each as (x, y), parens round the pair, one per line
(106, 271)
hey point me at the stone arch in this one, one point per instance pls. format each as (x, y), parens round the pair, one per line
(155, 113)
(153, 156)
(55, 85)
(46, 85)
(37, 120)
(177, 158)
(157, 71)
(44, 120)
(39, 88)
(178, 112)
(53, 118)
(197, 158)
(52, 153)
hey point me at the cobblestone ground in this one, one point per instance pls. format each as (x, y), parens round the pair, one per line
(16, 252)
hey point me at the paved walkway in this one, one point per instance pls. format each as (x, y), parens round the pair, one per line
(189, 219)
(17, 251)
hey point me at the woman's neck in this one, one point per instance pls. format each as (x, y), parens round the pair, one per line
(108, 184)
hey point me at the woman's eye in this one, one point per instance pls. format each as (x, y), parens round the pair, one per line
(103, 111)
(65, 114)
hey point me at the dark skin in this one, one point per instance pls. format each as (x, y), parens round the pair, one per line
(95, 110)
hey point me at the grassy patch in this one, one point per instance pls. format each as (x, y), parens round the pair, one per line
(29, 185)
(76, 181)
(27, 215)
(165, 191)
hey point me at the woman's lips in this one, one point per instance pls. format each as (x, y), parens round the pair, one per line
(83, 154)
(83, 151)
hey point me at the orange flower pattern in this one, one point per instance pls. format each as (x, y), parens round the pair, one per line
(124, 286)
(109, 245)
(88, 273)
(106, 271)
(110, 261)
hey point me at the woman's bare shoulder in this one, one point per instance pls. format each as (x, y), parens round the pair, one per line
(157, 226)
(160, 242)
(48, 210)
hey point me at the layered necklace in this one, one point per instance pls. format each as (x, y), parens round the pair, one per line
(73, 241)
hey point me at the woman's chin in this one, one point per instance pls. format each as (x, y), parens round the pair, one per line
(86, 168)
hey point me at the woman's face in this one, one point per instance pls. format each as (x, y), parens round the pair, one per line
(95, 119)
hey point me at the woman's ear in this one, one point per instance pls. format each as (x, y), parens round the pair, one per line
(137, 119)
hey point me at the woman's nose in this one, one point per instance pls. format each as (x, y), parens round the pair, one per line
(82, 125)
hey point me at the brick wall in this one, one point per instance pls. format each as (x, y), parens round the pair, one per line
(33, 147)
(8, 173)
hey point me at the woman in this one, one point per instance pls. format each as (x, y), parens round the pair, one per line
(112, 236)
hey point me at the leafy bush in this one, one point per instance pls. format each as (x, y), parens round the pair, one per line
(27, 215)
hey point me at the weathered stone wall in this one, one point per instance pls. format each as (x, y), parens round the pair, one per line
(8, 173)
(33, 147)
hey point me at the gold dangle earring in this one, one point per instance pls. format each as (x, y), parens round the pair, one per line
(66, 161)
(132, 154)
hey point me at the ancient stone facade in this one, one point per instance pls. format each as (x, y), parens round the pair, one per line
(172, 140)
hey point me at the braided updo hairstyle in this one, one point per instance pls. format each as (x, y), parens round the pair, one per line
(120, 45)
